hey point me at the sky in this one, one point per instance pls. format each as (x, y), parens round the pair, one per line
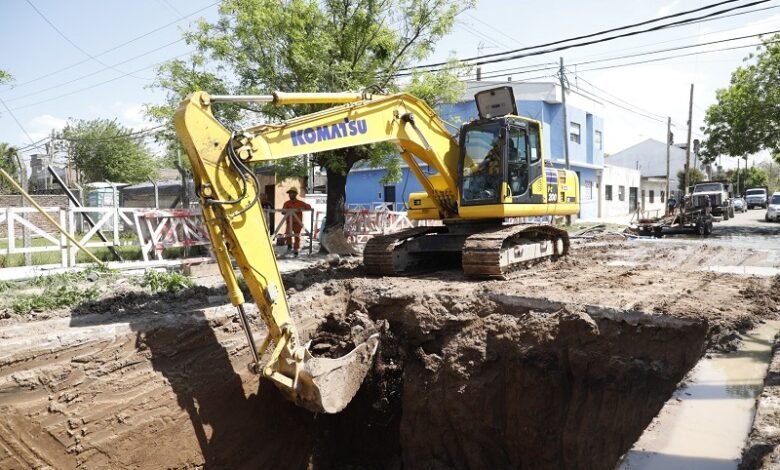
(92, 59)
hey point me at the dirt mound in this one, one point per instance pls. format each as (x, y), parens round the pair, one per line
(556, 368)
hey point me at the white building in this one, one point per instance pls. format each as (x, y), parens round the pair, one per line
(649, 158)
(618, 191)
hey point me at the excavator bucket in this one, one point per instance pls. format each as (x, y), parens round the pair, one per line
(327, 385)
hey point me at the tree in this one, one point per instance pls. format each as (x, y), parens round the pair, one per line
(258, 46)
(694, 176)
(751, 177)
(9, 161)
(5, 77)
(103, 150)
(744, 119)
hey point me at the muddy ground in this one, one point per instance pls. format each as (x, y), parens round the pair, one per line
(561, 366)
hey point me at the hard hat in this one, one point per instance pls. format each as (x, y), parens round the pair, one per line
(292, 190)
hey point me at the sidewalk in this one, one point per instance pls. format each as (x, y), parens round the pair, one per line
(620, 220)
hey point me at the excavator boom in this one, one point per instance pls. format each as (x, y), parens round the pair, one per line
(228, 195)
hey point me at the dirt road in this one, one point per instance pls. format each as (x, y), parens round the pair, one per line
(561, 366)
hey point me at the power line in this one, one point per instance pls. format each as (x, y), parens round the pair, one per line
(118, 46)
(138, 133)
(647, 61)
(68, 40)
(100, 83)
(481, 61)
(629, 56)
(695, 35)
(42, 90)
(641, 112)
(17, 121)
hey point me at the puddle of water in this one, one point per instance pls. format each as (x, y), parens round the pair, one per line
(704, 425)
(766, 271)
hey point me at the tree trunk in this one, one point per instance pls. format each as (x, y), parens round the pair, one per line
(335, 241)
(337, 199)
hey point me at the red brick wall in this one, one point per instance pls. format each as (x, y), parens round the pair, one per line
(47, 200)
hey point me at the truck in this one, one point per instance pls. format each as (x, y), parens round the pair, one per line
(757, 197)
(719, 201)
(486, 177)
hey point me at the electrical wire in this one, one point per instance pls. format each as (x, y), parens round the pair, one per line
(82, 77)
(13, 116)
(76, 46)
(473, 61)
(118, 46)
(48, 100)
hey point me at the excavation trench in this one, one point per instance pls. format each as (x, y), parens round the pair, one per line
(466, 379)
(493, 381)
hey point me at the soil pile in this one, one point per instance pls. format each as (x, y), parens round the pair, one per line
(556, 368)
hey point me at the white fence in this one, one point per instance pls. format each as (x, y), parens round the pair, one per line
(153, 231)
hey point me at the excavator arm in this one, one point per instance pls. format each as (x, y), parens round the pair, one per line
(228, 191)
(401, 119)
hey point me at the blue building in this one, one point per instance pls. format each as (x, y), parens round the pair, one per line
(539, 101)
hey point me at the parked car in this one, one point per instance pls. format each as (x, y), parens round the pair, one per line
(757, 197)
(773, 208)
(739, 204)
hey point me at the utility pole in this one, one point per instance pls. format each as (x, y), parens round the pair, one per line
(738, 176)
(688, 143)
(562, 77)
(668, 155)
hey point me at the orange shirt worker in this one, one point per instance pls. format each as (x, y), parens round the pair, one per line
(294, 223)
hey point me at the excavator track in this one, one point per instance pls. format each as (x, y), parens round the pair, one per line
(381, 255)
(493, 254)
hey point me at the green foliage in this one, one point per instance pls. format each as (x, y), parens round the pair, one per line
(10, 163)
(752, 177)
(61, 279)
(103, 150)
(694, 176)
(5, 77)
(52, 297)
(744, 119)
(165, 281)
(260, 46)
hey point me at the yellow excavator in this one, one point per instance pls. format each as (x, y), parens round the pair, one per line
(477, 186)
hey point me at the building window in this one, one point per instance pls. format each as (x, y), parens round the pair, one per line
(663, 196)
(574, 132)
(652, 196)
(597, 139)
(621, 193)
(587, 190)
(608, 192)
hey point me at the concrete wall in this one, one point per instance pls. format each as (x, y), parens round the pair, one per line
(658, 200)
(589, 203)
(49, 200)
(364, 186)
(617, 177)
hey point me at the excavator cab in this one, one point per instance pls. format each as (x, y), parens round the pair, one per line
(499, 159)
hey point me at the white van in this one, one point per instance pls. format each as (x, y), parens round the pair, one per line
(773, 207)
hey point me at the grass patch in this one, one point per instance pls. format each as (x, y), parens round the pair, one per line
(53, 297)
(164, 281)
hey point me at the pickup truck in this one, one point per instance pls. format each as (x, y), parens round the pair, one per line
(719, 198)
(756, 197)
